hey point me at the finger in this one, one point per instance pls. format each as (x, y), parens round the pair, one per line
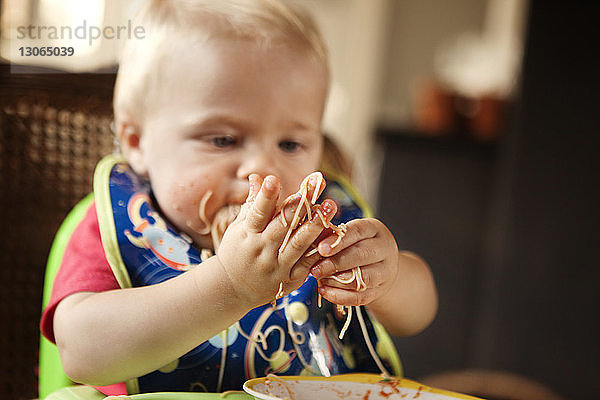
(254, 183)
(261, 210)
(345, 297)
(302, 238)
(315, 184)
(356, 230)
(357, 255)
(372, 276)
(301, 269)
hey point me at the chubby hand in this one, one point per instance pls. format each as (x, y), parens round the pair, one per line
(250, 249)
(367, 244)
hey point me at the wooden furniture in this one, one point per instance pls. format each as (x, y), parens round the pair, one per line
(53, 129)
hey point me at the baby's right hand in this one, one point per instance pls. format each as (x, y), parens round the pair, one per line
(249, 251)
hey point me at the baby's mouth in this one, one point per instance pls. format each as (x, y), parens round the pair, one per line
(222, 219)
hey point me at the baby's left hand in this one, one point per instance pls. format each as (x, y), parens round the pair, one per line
(367, 244)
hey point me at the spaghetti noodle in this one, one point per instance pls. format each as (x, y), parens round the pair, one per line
(224, 337)
(347, 323)
(202, 214)
(303, 193)
(361, 286)
(231, 392)
(297, 338)
(280, 294)
(282, 382)
(363, 328)
(223, 218)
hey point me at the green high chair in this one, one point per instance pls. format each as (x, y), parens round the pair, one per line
(52, 376)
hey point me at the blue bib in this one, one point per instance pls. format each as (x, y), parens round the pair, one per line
(293, 337)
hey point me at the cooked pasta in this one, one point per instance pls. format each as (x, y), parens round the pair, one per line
(202, 213)
(347, 323)
(224, 337)
(230, 392)
(223, 218)
(205, 254)
(280, 294)
(303, 194)
(361, 286)
(284, 383)
(363, 328)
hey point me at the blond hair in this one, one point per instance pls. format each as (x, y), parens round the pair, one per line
(264, 22)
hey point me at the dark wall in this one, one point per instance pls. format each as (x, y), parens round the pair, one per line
(512, 230)
(435, 198)
(546, 303)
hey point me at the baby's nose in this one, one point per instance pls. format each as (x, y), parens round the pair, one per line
(257, 162)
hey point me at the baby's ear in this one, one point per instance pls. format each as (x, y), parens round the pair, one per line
(129, 135)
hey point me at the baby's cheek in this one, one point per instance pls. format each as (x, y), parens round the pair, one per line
(182, 194)
(180, 201)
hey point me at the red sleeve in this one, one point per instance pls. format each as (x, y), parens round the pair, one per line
(84, 268)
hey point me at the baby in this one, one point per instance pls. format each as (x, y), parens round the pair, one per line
(218, 112)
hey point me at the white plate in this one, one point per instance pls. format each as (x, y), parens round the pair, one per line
(346, 387)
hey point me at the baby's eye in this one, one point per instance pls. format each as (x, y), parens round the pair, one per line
(289, 146)
(222, 141)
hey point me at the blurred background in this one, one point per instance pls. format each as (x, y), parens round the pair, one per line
(472, 129)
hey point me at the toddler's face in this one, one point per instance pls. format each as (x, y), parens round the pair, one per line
(230, 109)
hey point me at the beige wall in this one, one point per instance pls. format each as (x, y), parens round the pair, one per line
(378, 49)
(355, 32)
(417, 30)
